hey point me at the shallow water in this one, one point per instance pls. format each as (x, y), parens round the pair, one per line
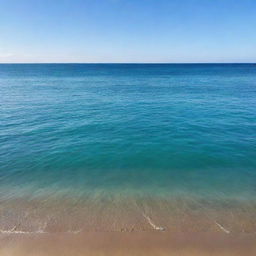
(122, 146)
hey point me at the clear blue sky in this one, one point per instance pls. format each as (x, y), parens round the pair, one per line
(127, 30)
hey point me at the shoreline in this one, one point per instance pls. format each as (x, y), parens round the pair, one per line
(130, 214)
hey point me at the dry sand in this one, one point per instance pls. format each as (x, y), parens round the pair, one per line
(128, 243)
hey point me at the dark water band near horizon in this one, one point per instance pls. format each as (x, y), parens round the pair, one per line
(127, 147)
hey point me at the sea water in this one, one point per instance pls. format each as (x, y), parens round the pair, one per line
(116, 146)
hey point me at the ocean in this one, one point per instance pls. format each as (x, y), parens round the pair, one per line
(127, 147)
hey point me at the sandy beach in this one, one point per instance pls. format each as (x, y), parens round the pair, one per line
(126, 243)
(127, 226)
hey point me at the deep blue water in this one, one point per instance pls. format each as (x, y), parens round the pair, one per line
(155, 129)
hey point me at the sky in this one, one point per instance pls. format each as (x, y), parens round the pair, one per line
(137, 31)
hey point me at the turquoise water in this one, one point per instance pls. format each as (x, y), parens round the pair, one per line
(133, 130)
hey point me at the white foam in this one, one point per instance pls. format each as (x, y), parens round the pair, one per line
(222, 228)
(151, 223)
(74, 232)
(13, 231)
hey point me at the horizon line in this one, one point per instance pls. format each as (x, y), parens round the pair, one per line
(176, 63)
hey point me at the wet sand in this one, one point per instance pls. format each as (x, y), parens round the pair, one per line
(126, 243)
(127, 214)
(130, 226)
